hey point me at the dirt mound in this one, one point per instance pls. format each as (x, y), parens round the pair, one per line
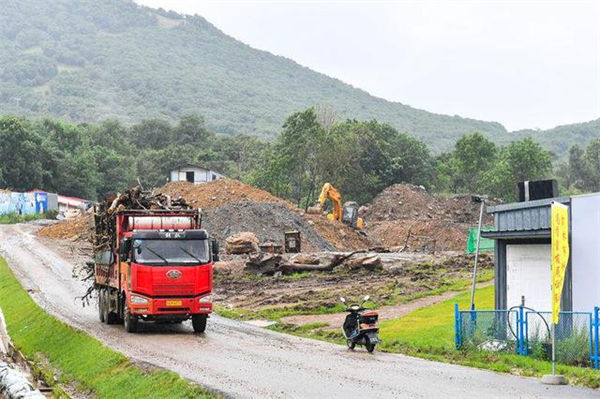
(218, 193)
(78, 228)
(421, 235)
(268, 220)
(408, 216)
(407, 201)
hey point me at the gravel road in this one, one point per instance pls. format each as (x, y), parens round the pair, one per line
(244, 361)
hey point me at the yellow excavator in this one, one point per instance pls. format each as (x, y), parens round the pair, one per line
(347, 213)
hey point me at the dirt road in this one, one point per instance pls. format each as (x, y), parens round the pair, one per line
(245, 361)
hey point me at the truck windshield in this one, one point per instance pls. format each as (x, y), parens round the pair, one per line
(170, 252)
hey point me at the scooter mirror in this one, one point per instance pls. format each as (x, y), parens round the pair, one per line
(366, 298)
(343, 300)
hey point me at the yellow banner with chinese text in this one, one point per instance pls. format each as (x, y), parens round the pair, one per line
(560, 253)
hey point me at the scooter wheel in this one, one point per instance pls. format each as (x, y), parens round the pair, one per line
(351, 344)
(370, 347)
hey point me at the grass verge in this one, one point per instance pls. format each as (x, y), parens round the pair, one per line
(14, 218)
(429, 333)
(76, 358)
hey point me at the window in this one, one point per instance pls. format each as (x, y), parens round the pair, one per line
(162, 252)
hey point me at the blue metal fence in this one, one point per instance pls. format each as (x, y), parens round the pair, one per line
(527, 333)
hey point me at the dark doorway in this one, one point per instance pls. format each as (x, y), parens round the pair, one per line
(189, 176)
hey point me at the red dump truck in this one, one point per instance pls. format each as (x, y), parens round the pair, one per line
(159, 267)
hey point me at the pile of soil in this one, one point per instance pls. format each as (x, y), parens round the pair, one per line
(409, 217)
(78, 228)
(407, 201)
(218, 193)
(421, 235)
(267, 220)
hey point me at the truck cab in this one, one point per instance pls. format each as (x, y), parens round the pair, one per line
(162, 270)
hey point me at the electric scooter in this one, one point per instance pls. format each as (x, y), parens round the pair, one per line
(360, 326)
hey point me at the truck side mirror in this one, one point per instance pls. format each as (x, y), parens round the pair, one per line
(215, 249)
(125, 249)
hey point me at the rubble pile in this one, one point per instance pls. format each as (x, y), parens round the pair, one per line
(408, 218)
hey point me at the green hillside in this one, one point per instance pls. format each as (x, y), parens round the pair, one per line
(87, 61)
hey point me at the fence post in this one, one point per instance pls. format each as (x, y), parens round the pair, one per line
(457, 327)
(520, 330)
(596, 324)
(591, 340)
(526, 335)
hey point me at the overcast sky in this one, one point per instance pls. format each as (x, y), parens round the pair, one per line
(525, 64)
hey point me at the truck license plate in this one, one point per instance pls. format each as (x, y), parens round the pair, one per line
(173, 303)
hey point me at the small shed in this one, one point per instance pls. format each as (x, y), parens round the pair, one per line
(194, 174)
(523, 253)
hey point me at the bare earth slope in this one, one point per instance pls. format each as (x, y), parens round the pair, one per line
(249, 362)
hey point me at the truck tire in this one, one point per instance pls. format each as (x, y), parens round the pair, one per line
(101, 314)
(199, 323)
(130, 321)
(109, 317)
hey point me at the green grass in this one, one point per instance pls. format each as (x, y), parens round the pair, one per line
(429, 333)
(433, 326)
(13, 218)
(78, 359)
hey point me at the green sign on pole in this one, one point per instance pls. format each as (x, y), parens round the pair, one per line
(485, 244)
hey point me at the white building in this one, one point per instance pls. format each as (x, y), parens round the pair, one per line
(194, 174)
(522, 258)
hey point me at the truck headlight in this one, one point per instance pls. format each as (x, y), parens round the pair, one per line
(205, 299)
(138, 300)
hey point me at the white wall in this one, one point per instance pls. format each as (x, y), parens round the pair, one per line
(200, 175)
(528, 272)
(585, 251)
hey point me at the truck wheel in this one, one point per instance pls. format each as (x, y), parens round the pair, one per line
(101, 314)
(199, 322)
(130, 321)
(109, 317)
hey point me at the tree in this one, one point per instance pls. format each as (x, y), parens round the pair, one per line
(519, 161)
(472, 156)
(190, 130)
(22, 155)
(151, 133)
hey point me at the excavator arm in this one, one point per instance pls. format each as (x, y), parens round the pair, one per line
(329, 192)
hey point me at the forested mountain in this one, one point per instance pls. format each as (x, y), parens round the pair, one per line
(90, 60)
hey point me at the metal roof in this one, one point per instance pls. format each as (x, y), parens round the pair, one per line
(530, 219)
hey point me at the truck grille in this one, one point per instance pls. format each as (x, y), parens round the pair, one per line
(173, 289)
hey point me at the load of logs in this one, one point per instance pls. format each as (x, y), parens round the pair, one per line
(134, 198)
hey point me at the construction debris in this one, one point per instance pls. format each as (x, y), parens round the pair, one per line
(241, 243)
(269, 264)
